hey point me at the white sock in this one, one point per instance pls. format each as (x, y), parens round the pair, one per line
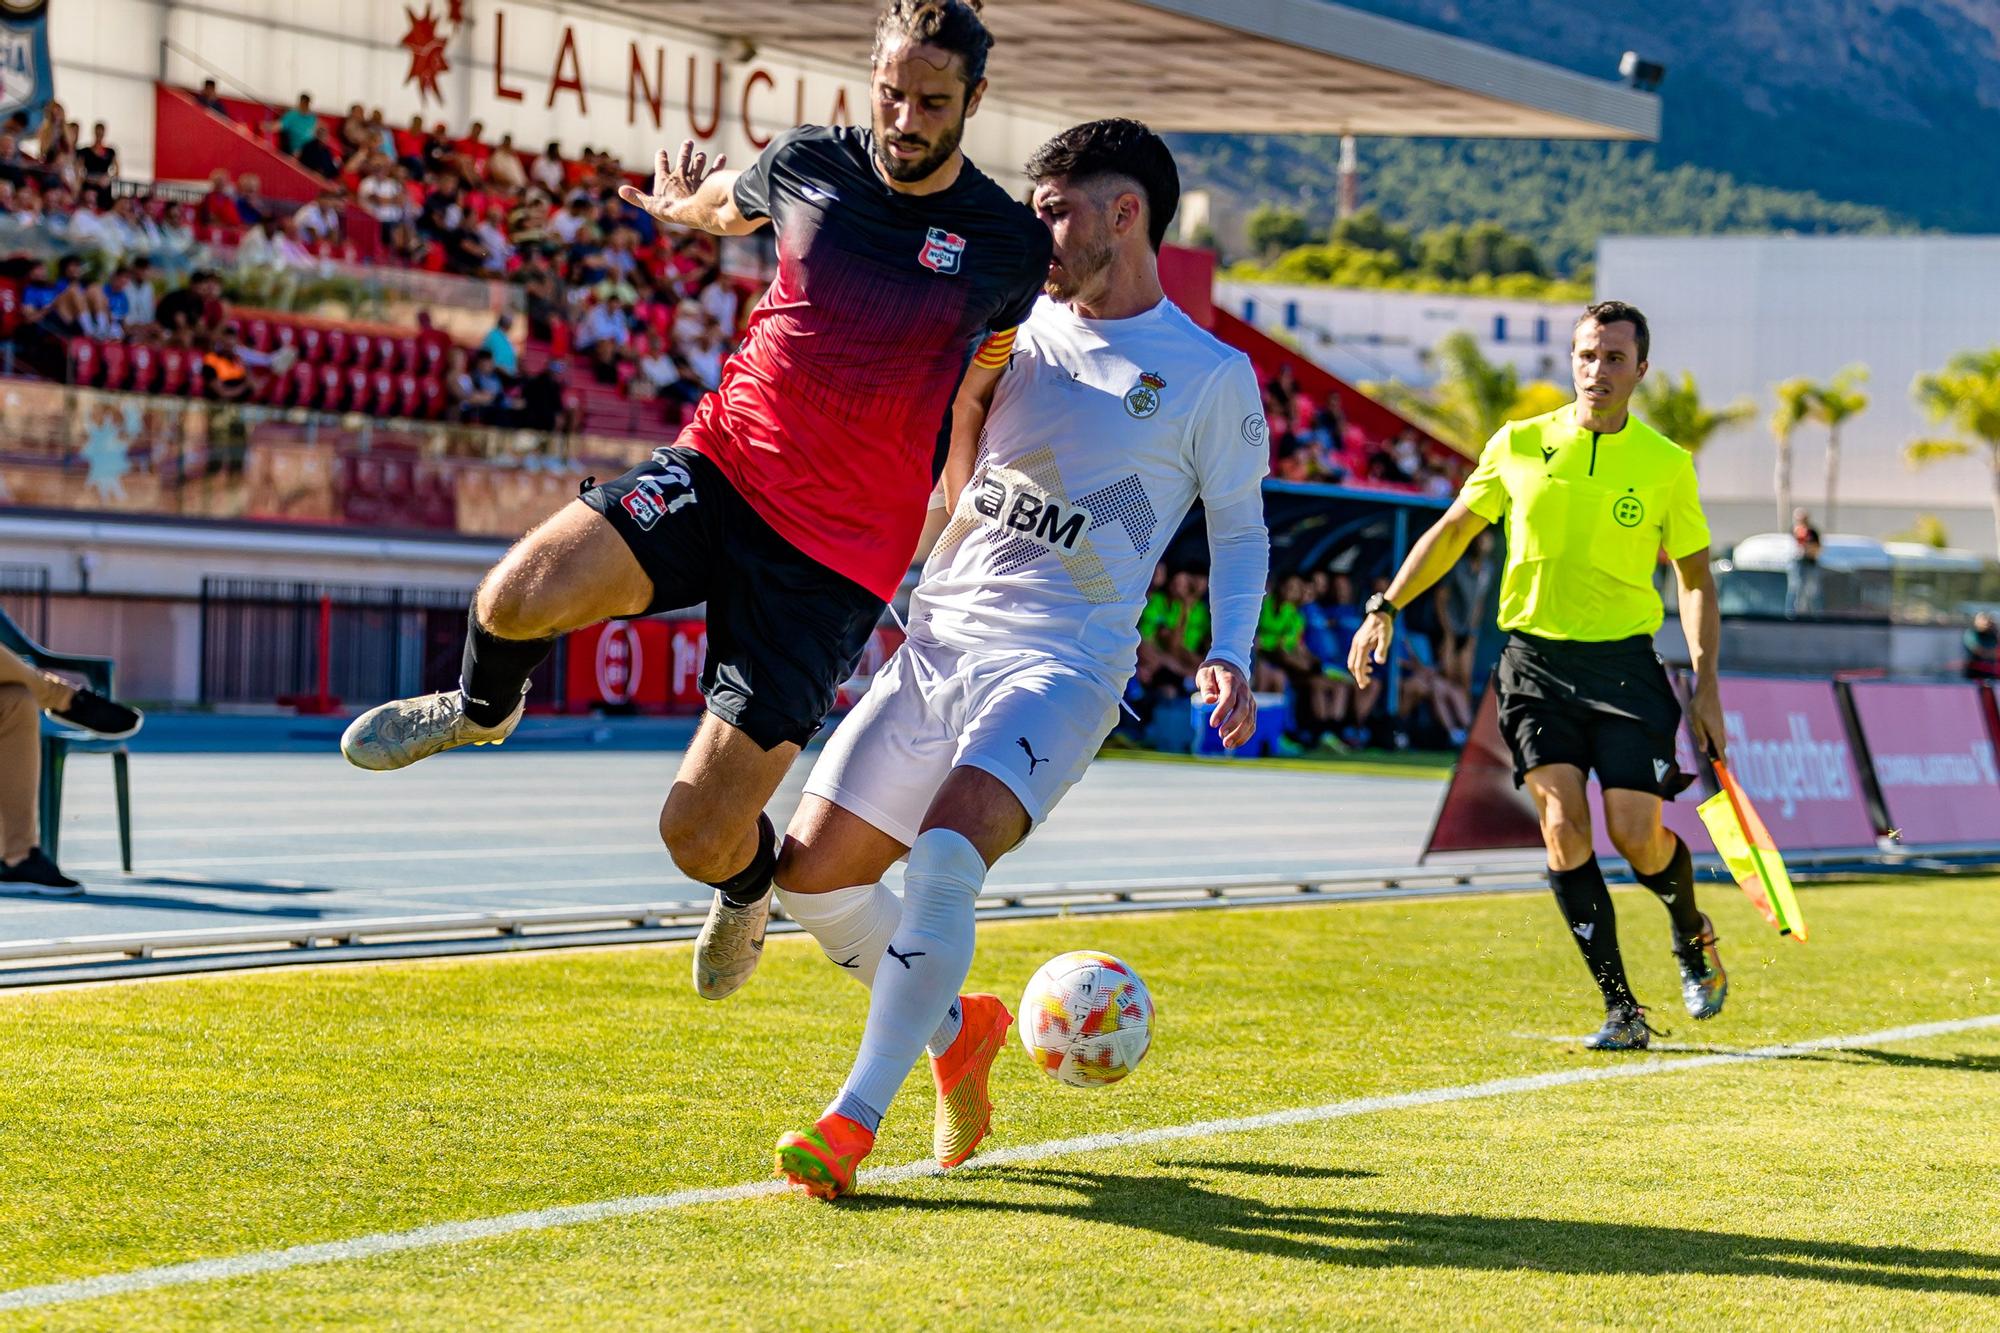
(932, 948)
(854, 927)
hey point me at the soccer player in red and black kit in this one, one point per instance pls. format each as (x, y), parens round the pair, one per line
(793, 502)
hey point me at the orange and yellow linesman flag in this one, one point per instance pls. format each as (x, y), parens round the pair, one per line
(1751, 854)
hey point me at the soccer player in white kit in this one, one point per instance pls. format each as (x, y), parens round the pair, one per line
(1073, 460)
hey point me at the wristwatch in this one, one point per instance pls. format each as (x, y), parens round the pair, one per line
(1379, 605)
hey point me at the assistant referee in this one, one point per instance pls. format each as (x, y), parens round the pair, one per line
(1590, 495)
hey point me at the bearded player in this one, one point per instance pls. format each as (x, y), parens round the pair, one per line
(793, 501)
(1069, 474)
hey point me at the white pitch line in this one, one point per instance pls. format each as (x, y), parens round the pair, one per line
(569, 1215)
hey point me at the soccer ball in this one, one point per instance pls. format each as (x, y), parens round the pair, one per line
(1086, 1019)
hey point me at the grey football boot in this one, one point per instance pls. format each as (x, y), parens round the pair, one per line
(729, 946)
(1704, 985)
(1625, 1029)
(402, 731)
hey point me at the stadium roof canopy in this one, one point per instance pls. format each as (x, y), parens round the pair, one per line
(1242, 66)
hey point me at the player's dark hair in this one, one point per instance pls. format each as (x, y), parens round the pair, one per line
(1617, 312)
(949, 25)
(1101, 148)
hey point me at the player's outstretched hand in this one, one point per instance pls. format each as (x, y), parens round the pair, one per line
(1370, 648)
(674, 179)
(1235, 715)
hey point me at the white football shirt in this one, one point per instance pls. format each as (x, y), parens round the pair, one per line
(1100, 437)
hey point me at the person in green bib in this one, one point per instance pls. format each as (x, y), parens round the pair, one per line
(1590, 495)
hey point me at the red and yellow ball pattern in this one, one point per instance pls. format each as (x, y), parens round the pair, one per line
(1086, 1019)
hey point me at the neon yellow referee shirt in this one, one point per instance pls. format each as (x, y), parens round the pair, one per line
(1586, 516)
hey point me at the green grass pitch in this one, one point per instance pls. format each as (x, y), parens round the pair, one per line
(152, 1124)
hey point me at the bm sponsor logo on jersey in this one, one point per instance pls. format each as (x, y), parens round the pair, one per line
(1022, 509)
(943, 252)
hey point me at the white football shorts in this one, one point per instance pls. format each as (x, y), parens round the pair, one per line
(1029, 720)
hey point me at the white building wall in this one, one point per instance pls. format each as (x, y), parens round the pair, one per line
(1742, 313)
(109, 52)
(1371, 334)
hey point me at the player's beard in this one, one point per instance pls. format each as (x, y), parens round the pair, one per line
(1078, 270)
(917, 168)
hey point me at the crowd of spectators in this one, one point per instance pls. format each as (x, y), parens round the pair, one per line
(1303, 633)
(1311, 441)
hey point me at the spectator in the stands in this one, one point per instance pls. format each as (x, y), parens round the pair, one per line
(1462, 608)
(321, 220)
(219, 205)
(318, 156)
(504, 170)
(89, 224)
(381, 138)
(14, 168)
(355, 136)
(543, 400)
(547, 170)
(98, 158)
(26, 692)
(211, 98)
(1407, 455)
(142, 307)
(603, 333)
(193, 311)
(224, 376)
(499, 344)
(50, 139)
(1982, 648)
(68, 305)
(704, 353)
(297, 126)
(576, 224)
(1331, 619)
(491, 231)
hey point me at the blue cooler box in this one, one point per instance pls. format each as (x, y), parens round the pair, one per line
(1273, 715)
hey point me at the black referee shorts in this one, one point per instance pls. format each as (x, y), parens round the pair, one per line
(1606, 708)
(783, 630)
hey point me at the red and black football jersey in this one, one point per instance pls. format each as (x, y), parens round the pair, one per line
(833, 418)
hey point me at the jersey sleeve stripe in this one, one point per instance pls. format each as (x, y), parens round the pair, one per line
(993, 353)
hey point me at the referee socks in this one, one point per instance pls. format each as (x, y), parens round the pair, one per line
(1586, 905)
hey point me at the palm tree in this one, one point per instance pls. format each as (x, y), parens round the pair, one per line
(1473, 397)
(1831, 404)
(1965, 396)
(1794, 401)
(1674, 408)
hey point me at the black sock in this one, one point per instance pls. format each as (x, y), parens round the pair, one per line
(1674, 885)
(748, 885)
(1586, 905)
(495, 672)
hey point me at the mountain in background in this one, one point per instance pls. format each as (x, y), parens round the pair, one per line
(1812, 115)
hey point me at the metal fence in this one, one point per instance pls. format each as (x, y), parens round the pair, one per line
(314, 644)
(24, 596)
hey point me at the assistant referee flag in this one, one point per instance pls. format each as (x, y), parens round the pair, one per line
(1586, 516)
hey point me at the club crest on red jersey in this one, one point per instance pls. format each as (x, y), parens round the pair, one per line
(942, 251)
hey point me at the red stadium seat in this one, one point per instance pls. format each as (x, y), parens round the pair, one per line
(84, 367)
(432, 390)
(271, 390)
(145, 363)
(332, 388)
(10, 307)
(382, 393)
(335, 348)
(257, 333)
(284, 334)
(363, 346)
(311, 343)
(173, 370)
(112, 356)
(360, 390)
(301, 382)
(409, 396)
(430, 354)
(405, 354)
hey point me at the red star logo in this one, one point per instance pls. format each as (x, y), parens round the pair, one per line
(426, 47)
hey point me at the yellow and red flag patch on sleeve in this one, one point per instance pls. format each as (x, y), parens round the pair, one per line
(993, 353)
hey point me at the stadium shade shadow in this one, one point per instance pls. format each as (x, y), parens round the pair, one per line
(1963, 1062)
(1184, 1209)
(229, 885)
(97, 898)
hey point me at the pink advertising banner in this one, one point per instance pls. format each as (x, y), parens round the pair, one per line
(1933, 760)
(1788, 748)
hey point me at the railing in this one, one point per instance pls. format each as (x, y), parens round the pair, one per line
(24, 596)
(83, 450)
